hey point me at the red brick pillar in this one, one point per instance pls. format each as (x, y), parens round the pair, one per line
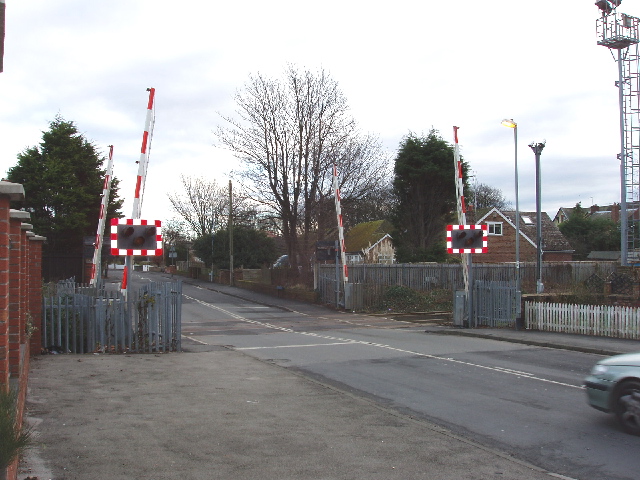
(16, 289)
(4, 290)
(35, 292)
(8, 192)
(24, 279)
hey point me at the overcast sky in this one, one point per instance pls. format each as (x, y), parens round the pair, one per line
(404, 66)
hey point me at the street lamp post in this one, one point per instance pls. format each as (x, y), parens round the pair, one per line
(511, 124)
(537, 150)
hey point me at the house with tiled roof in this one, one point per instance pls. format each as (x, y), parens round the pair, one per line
(610, 212)
(370, 242)
(563, 215)
(502, 238)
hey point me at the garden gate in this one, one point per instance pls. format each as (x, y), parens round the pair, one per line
(495, 304)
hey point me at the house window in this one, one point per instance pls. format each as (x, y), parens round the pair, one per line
(495, 228)
(353, 258)
(387, 259)
(527, 220)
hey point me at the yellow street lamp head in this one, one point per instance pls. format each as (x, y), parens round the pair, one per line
(508, 122)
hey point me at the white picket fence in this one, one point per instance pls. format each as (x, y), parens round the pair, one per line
(601, 320)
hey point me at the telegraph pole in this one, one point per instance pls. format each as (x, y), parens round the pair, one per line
(231, 281)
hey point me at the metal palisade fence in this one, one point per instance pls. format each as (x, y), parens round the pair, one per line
(80, 319)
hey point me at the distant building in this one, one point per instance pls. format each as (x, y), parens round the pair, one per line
(604, 256)
(502, 238)
(370, 242)
(611, 212)
(563, 215)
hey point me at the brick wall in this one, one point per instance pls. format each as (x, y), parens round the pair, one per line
(35, 291)
(20, 296)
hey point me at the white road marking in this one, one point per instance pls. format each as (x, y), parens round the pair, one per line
(194, 340)
(350, 341)
(295, 346)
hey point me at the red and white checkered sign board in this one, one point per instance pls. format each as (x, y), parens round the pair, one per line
(473, 228)
(130, 252)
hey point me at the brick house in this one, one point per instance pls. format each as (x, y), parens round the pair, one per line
(370, 242)
(502, 238)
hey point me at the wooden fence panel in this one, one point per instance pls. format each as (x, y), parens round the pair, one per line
(431, 276)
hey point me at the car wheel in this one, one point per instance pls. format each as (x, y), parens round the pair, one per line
(627, 406)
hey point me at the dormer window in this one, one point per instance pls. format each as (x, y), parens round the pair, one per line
(494, 228)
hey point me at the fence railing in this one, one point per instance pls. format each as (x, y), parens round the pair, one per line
(77, 319)
(600, 320)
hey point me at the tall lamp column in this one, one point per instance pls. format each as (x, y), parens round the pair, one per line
(537, 150)
(508, 122)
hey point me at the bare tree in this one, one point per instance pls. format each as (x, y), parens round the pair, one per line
(200, 205)
(483, 196)
(289, 133)
(174, 232)
(203, 207)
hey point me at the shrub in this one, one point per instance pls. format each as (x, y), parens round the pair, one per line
(406, 300)
(13, 439)
(403, 299)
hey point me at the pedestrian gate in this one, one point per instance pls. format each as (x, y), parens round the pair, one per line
(495, 304)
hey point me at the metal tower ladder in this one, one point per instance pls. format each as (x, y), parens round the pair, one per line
(618, 31)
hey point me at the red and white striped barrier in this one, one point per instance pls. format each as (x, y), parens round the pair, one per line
(462, 208)
(144, 155)
(343, 251)
(142, 173)
(106, 190)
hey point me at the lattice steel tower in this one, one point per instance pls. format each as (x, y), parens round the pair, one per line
(618, 31)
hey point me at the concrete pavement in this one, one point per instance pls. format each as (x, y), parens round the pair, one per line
(219, 414)
(580, 343)
(223, 415)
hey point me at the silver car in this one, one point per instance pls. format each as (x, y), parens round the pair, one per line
(614, 386)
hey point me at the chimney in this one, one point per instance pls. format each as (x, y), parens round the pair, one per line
(615, 212)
